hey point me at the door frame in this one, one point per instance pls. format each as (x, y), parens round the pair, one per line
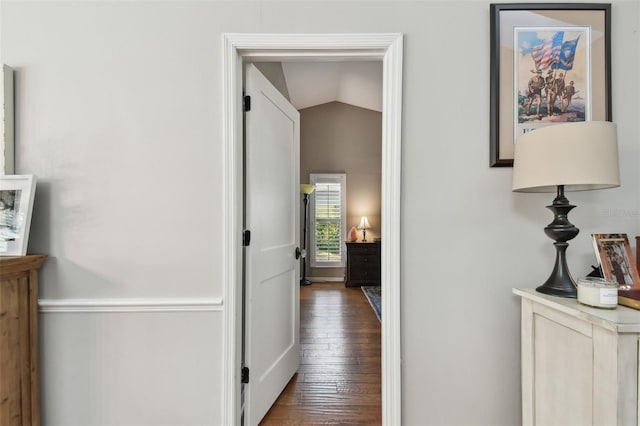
(386, 47)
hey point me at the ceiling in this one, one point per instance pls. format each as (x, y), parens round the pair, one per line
(357, 83)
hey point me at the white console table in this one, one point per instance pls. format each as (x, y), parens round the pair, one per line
(579, 364)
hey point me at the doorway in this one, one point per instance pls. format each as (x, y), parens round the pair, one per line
(261, 47)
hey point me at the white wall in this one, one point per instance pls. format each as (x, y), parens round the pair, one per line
(119, 115)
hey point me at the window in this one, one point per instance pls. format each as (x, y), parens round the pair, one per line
(328, 220)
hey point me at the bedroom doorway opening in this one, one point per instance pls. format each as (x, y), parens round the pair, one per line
(240, 48)
(339, 373)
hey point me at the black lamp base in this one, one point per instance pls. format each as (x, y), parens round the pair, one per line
(560, 283)
(305, 282)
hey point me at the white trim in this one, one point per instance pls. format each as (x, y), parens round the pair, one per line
(232, 228)
(326, 279)
(130, 305)
(390, 232)
(385, 47)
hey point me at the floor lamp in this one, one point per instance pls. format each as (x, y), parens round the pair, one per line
(306, 189)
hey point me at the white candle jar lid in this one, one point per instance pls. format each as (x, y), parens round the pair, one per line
(595, 282)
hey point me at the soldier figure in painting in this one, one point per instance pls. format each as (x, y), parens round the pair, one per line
(556, 89)
(569, 91)
(548, 82)
(536, 84)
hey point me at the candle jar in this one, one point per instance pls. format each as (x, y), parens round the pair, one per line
(598, 293)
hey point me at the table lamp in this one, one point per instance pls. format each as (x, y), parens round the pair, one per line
(577, 156)
(364, 225)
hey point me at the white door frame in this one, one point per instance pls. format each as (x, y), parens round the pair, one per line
(318, 47)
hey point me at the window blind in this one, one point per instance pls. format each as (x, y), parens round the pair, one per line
(328, 216)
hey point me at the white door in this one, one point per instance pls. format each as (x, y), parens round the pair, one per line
(272, 272)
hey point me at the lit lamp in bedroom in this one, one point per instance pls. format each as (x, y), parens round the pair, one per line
(305, 189)
(565, 157)
(364, 225)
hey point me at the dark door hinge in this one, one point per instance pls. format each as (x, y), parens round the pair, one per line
(246, 237)
(246, 103)
(245, 374)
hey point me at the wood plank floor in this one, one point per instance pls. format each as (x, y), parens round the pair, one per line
(339, 380)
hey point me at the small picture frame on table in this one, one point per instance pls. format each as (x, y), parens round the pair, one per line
(550, 64)
(17, 193)
(616, 260)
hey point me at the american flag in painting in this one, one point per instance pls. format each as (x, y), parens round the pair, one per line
(546, 54)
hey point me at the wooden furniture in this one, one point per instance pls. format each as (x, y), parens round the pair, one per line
(638, 253)
(579, 364)
(19, 390)
(363, 264)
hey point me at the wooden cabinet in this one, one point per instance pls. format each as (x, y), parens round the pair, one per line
(363, 264)
(579, 364)
(19, 377)
(638, 253)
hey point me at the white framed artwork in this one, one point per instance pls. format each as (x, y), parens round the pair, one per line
(17, 193)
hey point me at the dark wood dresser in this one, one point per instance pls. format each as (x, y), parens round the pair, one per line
(19, 377)
(363, 264)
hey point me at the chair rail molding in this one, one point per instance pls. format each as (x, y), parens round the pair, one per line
(385, 47)
(131, 305)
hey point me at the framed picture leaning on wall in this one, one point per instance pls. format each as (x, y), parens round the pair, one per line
(17, 193)
(550, 64)
(615, 257)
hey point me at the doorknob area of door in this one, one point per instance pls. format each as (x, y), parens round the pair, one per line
(299, 253)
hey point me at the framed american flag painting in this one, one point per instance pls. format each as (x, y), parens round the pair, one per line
(550, 64)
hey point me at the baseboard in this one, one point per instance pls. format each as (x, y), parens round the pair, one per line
(131, 305)
(326, 279)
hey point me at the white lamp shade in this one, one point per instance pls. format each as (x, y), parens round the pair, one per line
(307, 188)
(364, 223)
(581, 156)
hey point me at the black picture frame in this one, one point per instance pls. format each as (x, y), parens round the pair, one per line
(513, 22)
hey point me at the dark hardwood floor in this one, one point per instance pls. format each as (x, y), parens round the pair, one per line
(339, 380)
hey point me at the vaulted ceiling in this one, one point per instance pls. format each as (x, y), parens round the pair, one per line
(357, 83)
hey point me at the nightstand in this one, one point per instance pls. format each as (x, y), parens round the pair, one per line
(363, 264)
